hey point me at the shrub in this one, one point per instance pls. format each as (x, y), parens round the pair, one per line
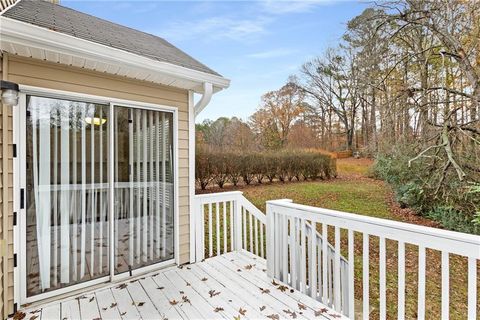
(453, 219)
(203, 169)
(285, 166)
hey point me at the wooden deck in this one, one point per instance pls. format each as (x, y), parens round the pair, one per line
(229, 286)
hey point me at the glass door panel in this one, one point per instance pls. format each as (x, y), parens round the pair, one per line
(143, 196)
(67, 193)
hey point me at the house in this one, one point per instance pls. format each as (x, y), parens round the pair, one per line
(98, 210)
(98, 104)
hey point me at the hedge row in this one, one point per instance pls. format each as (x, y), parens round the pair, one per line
(220, 168)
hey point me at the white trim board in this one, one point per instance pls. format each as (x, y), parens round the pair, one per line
(31, 41)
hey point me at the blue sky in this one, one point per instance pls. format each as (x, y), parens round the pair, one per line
(256, 44)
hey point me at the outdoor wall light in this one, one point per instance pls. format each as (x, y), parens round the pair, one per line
(9, 93)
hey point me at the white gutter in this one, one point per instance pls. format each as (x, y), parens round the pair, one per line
(206, 97)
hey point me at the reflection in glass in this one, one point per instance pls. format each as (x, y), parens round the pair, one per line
(143, 188)
(67, 193)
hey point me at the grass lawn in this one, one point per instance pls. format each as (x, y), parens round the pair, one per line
(354, 192)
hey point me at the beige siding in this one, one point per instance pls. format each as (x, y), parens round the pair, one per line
(6, 203)
(46, 75)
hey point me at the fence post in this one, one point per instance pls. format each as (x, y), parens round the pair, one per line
(237, 217)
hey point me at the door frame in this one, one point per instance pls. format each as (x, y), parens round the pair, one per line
(19, 183)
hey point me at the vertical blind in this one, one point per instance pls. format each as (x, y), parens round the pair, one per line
(68, 161)
(143, 188)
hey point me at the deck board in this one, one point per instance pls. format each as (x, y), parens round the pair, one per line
(185, 293)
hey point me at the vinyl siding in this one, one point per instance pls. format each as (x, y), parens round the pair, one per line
(6, 204)
(54, 76)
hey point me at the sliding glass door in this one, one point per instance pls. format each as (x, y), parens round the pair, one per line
(143, 187)
(73, 163)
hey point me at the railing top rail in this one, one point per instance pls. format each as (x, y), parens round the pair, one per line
(219, 194)
(353, 221)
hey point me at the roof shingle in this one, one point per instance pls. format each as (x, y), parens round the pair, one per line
(84, 26)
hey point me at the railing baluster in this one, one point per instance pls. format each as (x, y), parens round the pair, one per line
(217, 226)
(383, 283)
(319, 268)
(421, 283)
(303, 259)
(366, 276)
(401, 280)
(351, 270)
(312, 259)
(251, 230)
(210, 237)
(262, 250)
(232, 239)
(325, 262)
(244, 233)
(255, 229)
(445, 285)
(225, 231)
(293, 252)
(336, 271)
(472, 288)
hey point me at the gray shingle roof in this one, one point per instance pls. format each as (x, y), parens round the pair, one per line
(84, 26)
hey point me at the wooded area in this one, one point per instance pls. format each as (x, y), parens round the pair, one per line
(403, 86)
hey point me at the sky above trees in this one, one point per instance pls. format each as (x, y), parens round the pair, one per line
(256, 44)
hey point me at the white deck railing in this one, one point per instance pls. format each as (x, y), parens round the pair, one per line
(289, 226)
(227, 222)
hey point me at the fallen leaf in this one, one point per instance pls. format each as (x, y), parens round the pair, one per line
(181, 292)
(113, 305)
(274, 282)
(248, 267)
(186, 300)
(242, 311)
(173, 302)
(262, 308)
(239, 270)
(318, 313)
(122, 286)
(334, 315)
(291, 313)
(274, 316)
(213, 293)
(302, 306)
(36, 311)
(104, 309)
(123, 313)
(160, 288)
(188, 284)
(91, 299)
(204, 279)
(33, 317)
(282, 288)
(218, 309)
(264, 290)
(140, 304)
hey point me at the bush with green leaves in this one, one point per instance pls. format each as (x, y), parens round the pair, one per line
(453, 203)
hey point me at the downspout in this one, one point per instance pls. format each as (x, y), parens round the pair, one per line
(193, 111)
(207, 95)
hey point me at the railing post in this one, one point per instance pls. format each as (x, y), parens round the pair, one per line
(237, 216)
(270, 240)
(200, 231)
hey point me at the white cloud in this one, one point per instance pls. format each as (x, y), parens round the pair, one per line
(215, 28)
(280, 52)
